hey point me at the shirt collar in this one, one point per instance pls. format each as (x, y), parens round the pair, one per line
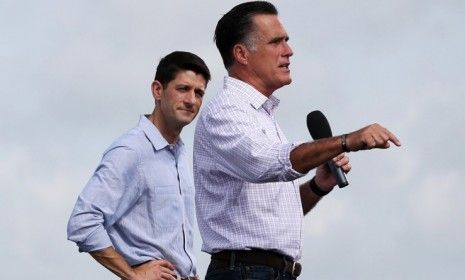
(154, 135)
(248, 93)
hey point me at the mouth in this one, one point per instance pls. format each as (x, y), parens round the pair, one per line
(285, 66)
(187, 110)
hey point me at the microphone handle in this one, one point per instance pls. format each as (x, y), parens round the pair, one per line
(340, 175)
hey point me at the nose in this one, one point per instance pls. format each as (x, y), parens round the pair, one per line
(190, 98)
(287, 49)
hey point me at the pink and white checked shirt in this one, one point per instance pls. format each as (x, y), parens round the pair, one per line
(245, 194)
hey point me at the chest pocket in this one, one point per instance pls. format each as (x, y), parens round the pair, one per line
(165, 204)
(164, 201)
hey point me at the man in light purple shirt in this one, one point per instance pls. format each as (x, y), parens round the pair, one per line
(249, 208)
(136, 214)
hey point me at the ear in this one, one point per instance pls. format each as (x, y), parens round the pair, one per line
(157, 90)
(241, 54)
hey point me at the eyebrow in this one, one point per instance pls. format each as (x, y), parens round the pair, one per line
(187, 85)
(278, 39)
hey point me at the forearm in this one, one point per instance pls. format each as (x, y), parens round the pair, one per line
(309, 155)
(114, 262)
(309, 199)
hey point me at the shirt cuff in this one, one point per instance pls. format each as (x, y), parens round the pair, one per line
(97, 240)
(285, 157)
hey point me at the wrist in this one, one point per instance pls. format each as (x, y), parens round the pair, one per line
(344, 146)
(316, 189)
(133, 274)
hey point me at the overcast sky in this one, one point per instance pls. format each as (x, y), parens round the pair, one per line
(77, 74)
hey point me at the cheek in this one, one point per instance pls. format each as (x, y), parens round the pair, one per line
(198, 104)
(177, 100)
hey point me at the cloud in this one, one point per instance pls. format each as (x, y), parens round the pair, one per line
(77, 74)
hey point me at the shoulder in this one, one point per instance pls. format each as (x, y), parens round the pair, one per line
(226, 103)
(130, 144)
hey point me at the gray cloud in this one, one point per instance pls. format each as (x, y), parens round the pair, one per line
(77, 74)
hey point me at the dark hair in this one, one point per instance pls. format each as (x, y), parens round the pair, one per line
(236, 25)
(176, 61)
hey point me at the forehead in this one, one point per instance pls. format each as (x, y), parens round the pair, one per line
(268, 26)
(189, 77)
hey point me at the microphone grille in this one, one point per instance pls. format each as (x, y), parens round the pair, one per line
(318, 125)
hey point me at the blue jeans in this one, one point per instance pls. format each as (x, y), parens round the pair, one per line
(242, 271)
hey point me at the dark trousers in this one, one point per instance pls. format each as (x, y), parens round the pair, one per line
(241, 271)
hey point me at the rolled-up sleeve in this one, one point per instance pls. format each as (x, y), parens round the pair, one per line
(244, 151)
(111, 191)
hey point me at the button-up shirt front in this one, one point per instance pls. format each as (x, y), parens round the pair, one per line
(245, 194)
(140, 200)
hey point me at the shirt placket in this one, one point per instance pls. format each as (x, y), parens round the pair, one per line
(176, 151)
(269, 108)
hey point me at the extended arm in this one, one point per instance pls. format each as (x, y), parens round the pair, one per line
(309, 155)
(315, 154)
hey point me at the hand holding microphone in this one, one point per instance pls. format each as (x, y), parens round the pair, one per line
(369, 137)
(319, 128)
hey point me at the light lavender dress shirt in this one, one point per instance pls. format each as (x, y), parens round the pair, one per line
(245, 194)
(140, 200)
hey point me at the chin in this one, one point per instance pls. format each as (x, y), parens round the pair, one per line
(185, 121)
(285, 78)
(286, 82)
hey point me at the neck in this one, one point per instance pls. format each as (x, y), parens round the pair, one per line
(170, 134)
(249, 77)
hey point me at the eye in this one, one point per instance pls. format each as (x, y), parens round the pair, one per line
(183, 88)
(199, 93)
(275, 41)
(279, 40)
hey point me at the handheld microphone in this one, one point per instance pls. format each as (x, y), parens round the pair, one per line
(319, 128)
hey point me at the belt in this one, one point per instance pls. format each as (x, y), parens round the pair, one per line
(259, 257)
